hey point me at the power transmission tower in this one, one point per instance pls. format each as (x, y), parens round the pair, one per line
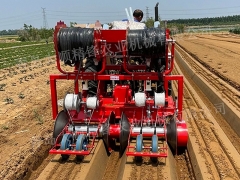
(147, 13)
(45, 24)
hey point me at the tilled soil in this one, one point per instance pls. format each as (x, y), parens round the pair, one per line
(217, 143)
(220, 52)
(26, 121)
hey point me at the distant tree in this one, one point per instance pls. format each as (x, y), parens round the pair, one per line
(72, 24)
(150, 22)
(30, 33)
(223, 20)
(180, 28)
(9, 32)
(46, 33)
(3, 32)
(23, 35)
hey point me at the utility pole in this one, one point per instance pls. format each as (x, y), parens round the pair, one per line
(147, 13)
(156, 12)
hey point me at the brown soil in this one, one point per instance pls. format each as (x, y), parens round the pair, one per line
(26, 120)
(217, 143)
(218, 51)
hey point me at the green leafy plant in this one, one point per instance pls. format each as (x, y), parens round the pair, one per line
(5, 127)
(2, 87)
(20, 80)
(9, 100)
(38, 117)
(21, 95)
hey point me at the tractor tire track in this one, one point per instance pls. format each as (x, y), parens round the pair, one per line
(66, 170)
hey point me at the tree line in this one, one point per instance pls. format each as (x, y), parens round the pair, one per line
(223, 20)
(9, 32)
(30, 33)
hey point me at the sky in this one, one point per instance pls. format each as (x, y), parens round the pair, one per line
(15, 13)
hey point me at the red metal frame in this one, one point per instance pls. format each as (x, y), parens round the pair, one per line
(90, 147)
(117, 40)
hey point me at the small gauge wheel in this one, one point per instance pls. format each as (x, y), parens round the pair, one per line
(66, 144)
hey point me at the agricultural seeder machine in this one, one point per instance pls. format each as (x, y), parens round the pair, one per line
(122, 92)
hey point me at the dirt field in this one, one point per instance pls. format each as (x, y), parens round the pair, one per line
(25, 114)
(219, 51)
(26, 121)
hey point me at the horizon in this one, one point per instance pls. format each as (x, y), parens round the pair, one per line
(144, 20)
(106, 11)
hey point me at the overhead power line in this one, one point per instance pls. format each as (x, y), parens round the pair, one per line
(63, 15)
(87, 12)
(20, 15)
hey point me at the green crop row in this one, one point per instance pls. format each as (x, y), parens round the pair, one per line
(12, 44)
(11, 57)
